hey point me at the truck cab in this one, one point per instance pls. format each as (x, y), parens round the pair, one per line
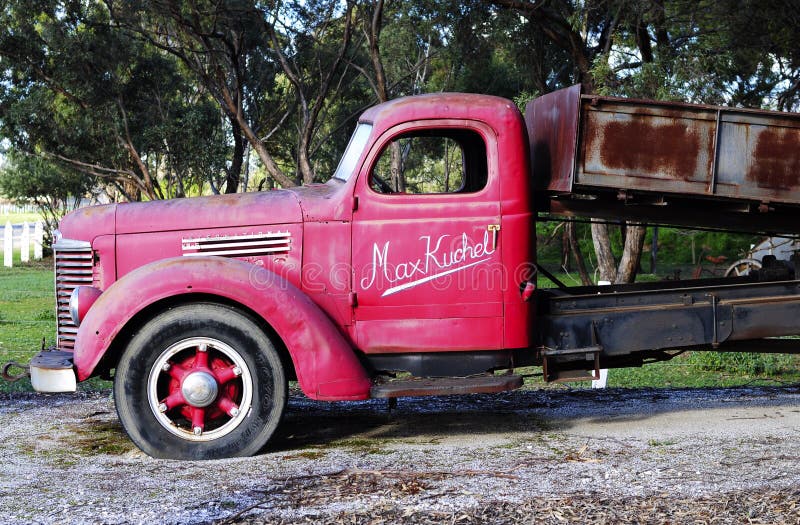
(409, 259)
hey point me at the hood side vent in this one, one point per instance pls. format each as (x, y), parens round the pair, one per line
(247, 245)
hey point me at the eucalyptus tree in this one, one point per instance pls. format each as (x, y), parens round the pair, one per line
(84, 96)
(270, 66)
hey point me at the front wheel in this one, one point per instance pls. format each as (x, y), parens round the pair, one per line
(200, 381)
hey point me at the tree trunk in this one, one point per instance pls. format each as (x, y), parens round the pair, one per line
(576, 253)
(566, 245)
(631, 255)
(234, 111)
(306, 171)
(398, 180)
(234, 173)
(602, 248)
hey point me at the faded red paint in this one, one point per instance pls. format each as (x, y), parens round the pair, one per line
(321, 314)
(325, 363)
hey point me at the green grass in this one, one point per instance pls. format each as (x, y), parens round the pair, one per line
(17, 257)
(27, 316)
(691, 371)
(19, 218)
(27, 313)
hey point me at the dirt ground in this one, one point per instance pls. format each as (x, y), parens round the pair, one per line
(603, 456)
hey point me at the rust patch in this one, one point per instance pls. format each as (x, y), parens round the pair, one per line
(776, 164)
(637, 145)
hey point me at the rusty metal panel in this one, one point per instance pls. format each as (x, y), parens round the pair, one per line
(552, 122)
(639, 147)
(759, 156)
(584, 144)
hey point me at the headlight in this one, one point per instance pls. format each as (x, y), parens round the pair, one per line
(81, 299)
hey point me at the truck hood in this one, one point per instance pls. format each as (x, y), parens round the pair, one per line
(216, 211)
(86, 224)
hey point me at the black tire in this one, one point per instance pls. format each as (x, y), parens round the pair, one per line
(141, 377)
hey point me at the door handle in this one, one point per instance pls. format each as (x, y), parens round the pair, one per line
(495, 230)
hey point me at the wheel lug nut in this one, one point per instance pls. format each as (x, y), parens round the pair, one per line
(198, 431)
(162, 407)
(237, 371)
(234, 412)
(166, 367)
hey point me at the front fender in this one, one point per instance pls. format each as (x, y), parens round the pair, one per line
(326, 365)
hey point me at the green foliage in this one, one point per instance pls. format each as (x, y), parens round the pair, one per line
(770, 365)
(94, 100)
(54, 188)
(151, 96)
(678, 249)
(428, 165)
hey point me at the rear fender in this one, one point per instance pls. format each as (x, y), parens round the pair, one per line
(326, 365)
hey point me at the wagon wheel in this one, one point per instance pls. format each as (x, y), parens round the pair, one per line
(742, 267)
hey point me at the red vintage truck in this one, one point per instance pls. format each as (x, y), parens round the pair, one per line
(418, 257)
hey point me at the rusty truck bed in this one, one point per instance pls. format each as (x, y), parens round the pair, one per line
(654, 161)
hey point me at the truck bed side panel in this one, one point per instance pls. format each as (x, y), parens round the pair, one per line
(585, 144)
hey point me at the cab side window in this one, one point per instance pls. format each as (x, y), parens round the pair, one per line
(431, 162)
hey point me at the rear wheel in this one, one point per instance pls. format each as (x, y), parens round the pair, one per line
(742, 267)
(200, 381)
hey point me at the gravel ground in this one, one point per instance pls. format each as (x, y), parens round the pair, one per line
(640, 456)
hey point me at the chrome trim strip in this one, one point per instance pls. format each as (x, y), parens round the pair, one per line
(238, 252)
(199, 246)
(244, 237)
(71, 245)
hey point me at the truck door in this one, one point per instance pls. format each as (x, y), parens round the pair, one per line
(427, 272)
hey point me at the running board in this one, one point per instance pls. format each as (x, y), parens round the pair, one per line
(445, 386)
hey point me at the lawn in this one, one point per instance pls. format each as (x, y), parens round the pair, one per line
(19, 218)
(27, 315)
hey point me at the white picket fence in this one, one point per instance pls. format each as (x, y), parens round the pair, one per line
(26, 238)
(7, 208)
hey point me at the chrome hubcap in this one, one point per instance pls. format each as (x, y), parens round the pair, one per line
(200, 389)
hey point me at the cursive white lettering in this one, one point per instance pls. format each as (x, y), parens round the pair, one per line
(436, 261)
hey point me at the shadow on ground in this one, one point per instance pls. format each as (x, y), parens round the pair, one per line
(311, 423)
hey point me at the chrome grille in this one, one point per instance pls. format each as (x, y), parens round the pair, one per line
(73, 268)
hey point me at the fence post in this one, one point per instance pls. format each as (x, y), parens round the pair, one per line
(38, 240)
(602, 381)
(25, 243)
(8, 245)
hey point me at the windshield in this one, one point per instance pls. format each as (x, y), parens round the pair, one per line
(357, 143)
